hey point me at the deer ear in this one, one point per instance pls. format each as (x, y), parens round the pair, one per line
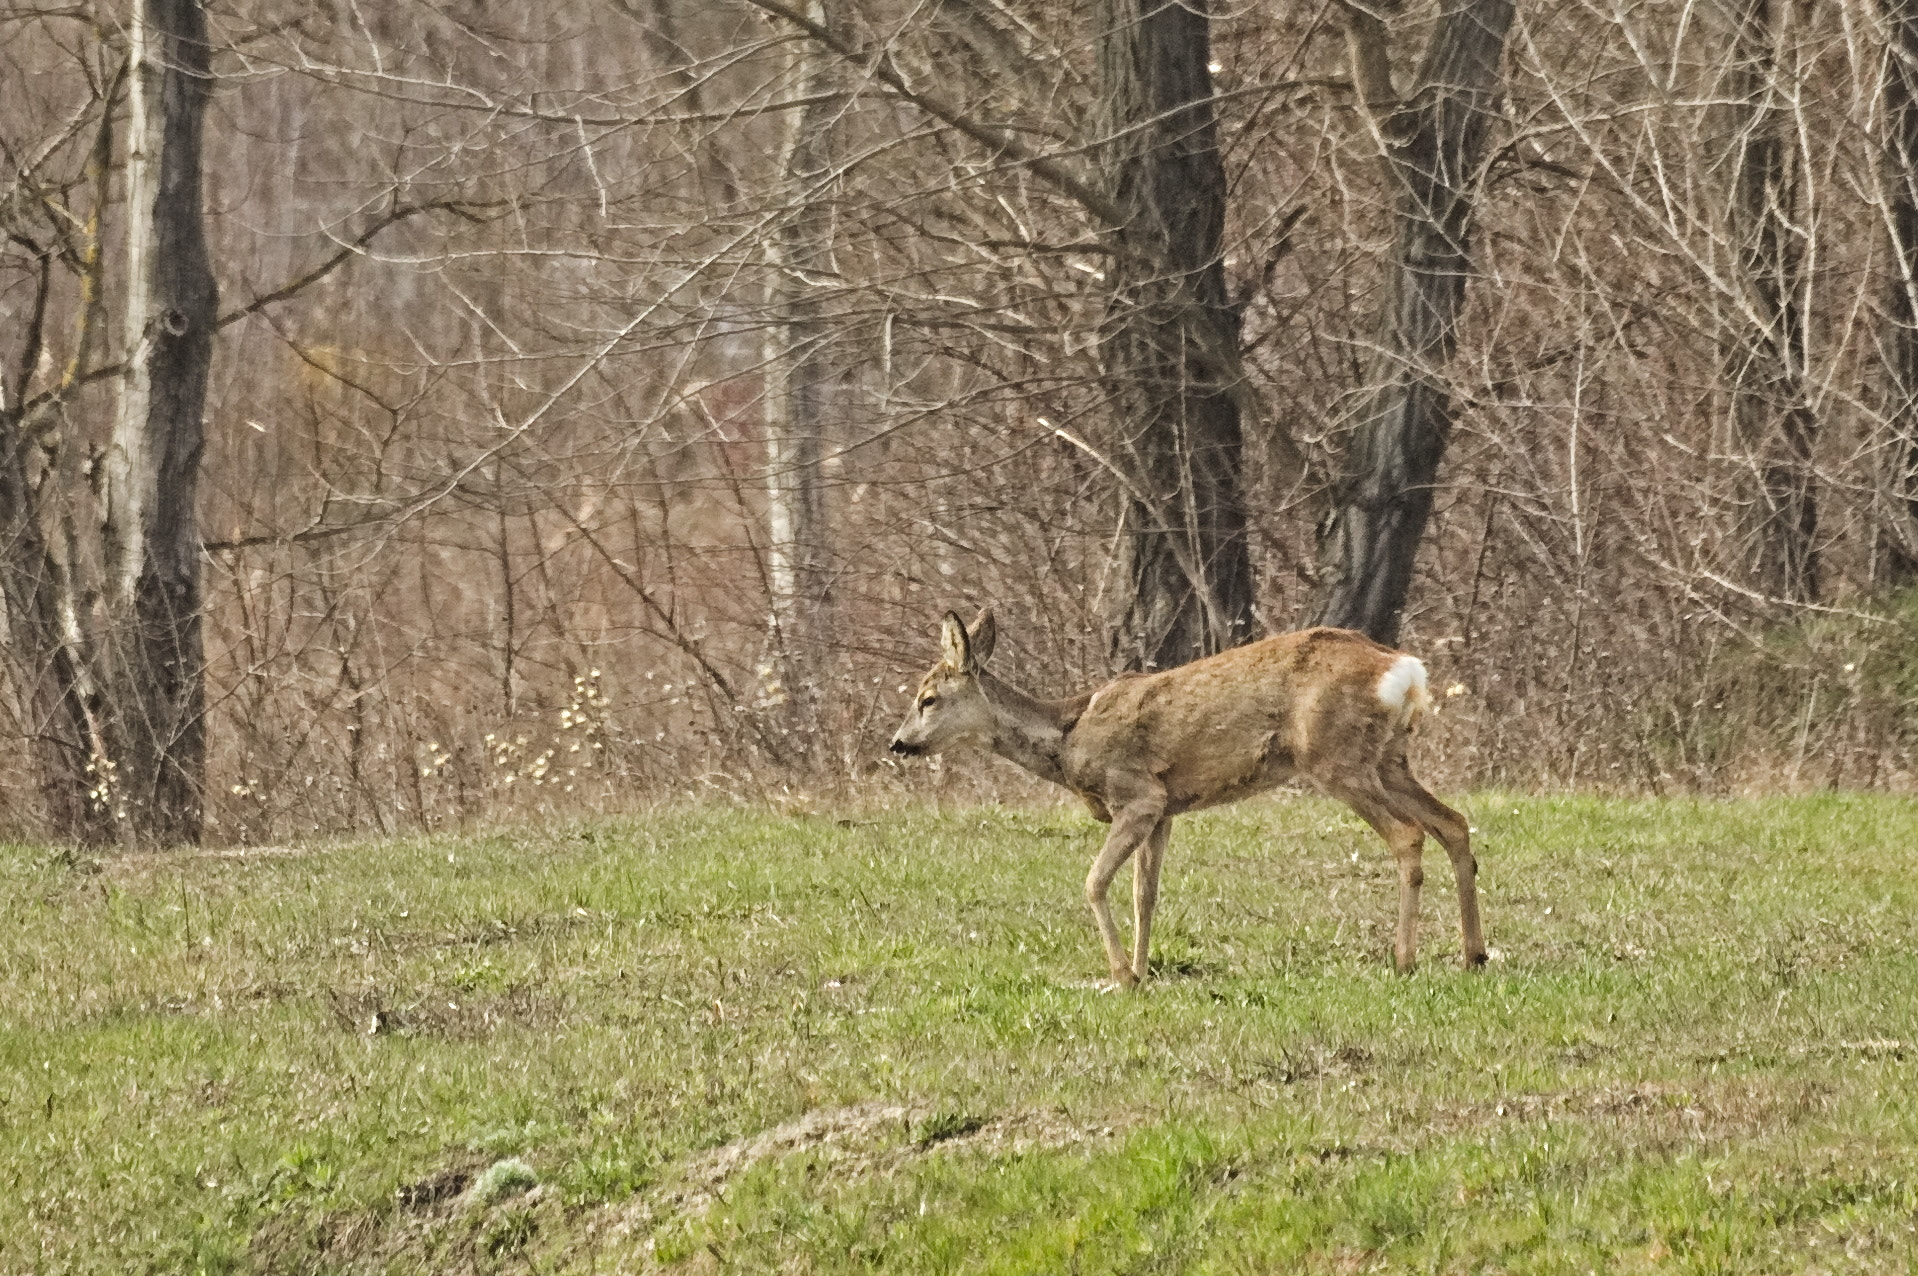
(954, 645)
(981, 634)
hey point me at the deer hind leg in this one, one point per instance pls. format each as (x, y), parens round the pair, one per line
(1145, 893)
(1131, 828)
(1407, 841)
(1406, 838)
(1412, 801)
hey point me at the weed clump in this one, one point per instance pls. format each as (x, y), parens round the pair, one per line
(502, 1179)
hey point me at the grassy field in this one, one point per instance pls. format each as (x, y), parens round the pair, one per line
(711, 1040)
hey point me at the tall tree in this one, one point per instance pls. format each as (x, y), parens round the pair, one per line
(152, 654)
(54, 692)
(1169, 344)
(800, 371)
(1900, 159)
(46, 663)
(1433, 142)
(101, 593)
(1765, 350)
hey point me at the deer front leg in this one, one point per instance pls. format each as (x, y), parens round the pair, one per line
(1145, 894)
(1130, 829)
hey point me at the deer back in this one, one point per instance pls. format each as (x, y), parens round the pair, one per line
(1244, 720)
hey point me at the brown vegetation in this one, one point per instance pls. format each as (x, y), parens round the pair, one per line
(602, 395)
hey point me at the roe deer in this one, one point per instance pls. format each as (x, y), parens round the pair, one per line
(1330, 705)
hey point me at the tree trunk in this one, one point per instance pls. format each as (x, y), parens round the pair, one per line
(1434, 144)
(1182, 582)
(799, 365)
(1901, 318)
(52, 685)
(1772, 421)
(41, 603)
(152, 652)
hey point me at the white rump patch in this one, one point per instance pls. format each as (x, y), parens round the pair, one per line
(1405, 678)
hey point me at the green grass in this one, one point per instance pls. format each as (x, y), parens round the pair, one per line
(1695, 1052)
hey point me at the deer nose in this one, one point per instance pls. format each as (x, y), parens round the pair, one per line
(901, 747)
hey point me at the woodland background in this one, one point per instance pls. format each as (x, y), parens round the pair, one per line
(602, 400)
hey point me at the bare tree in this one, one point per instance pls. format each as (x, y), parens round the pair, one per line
(1901, 311)
(102, 558)
(48, 662)
(153, 655)
(106, 627)
(1433, 143)
(1772, 423)
(801, 367)
(1169, 345)
(496, 519)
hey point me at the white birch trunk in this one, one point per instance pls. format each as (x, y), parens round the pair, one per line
(127, 469)
(798, 385)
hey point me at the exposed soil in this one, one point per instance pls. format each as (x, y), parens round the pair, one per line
(852, 1143)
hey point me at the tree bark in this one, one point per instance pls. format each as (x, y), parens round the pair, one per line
(1900, 340)
(799, 364)
(55, 696)
(1182, 582)
(1434, 144)
(1772, 420)
(152, 652)
(52, 684)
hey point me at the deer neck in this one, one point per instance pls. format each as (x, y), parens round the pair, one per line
(1030, 731)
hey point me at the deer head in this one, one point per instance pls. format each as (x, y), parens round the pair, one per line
(951, 707)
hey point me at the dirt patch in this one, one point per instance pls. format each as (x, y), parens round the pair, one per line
(1874, 1048)
(853, 1143)
(434, 1189)
(432, 1216)
(1714, 1112)
(838, 1134)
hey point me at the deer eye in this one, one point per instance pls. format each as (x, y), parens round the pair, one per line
(928, 702)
